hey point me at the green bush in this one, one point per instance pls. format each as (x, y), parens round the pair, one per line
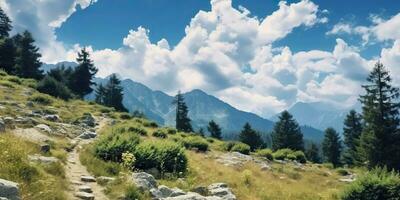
(51, 86)
(111, 147)
(139, 130)
(166, 156)
(133, 193)
(241, 148)
(160, 133)
(375, 185)
(342, 172)
(125, 116)
(171, 131)
(195, 142)
(41, 99)
(150, 124)
(299, 156)
(14, 79)
(282, 154)
(265, 153)
(227, 146)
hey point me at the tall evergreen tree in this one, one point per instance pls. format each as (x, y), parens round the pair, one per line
(81, 79)
(7, 55)
(352, 131)
(251, 137)
(380, 140)
(214, 130)
(5, 24)
(312, 153)
(27, 62)
(112, 94)
(331, 147)
(62, 74)
(182, 118)
(287, 133)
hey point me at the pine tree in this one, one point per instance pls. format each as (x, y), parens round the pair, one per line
(81, 79)
(100, 94)
(5, 24)
(331, 147)
(251, 137)
(352, 131)
(214, 130)
(7, 55)
(62, 74)
(380, 140)
(114, 93)
(201, 132)
(182, 119)
(27, 61)
(287, 133)
(312, 153)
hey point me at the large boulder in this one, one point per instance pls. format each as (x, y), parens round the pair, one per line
(221, 190)
(144, 181)
(9, 190)
(88, 120)
(53, 118)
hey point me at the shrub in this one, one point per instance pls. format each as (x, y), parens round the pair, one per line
(265, 153)
(125, 116)
(241, 148)
(342, 172)
(195, 142)
(15, 80)
(51, 86)
(128, 160)
(7, 84)
(41, 99)
(282, 154)
(160, 133)
(132, 193)
(227, 146)
(139, 130)
(166, 156)
(111, 147)
(374, 185)
(299, 156)
(150, 124)
(3, 73)
(171, 131)
(210, 140)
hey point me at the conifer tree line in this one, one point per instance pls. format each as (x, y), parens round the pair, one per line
(20, 57)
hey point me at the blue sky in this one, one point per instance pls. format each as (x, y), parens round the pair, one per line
(103, 24)
(261, 56)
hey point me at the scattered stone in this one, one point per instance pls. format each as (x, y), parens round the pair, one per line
(87, 135)
(45, 148)
(348, 179)
(163, 191)
(24, 120)
(89, 120)
(9, 190)
(234, 159)
(144, 181)
(53, 118)
(192, 196)
(201, 190)
(42, 159)
(85, 188)
(84, 195)
(43, 127)
(2, 126)
(177, 192)
(265, 167)
(88, 179)
(221, 190)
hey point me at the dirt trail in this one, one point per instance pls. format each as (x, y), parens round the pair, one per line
(75, 170)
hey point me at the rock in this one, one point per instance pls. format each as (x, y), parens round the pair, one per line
(43, 127)
(2, 126)
(234, 159)
(265, 167)
(346, 180)
(89, 120)
(84, 195)
(87, 135)
(85, 188)
(221, 190)
(45, 148)
(42, 159)
(53, 118)
(177, 192)
(192, 196)
(88, 179)
(144, 181)
(105, 179)
(23, 120)
(164, 191)
(201, 190)
(9, 190)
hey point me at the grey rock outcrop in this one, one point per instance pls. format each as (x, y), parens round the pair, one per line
(2, 126)
(42, 159)
(53, 118)
(43, 127)
(87, 135)
(9, 190)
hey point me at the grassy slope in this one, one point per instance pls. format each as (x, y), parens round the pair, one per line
(247, 182)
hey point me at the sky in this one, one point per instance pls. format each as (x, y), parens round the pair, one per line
(260, 56)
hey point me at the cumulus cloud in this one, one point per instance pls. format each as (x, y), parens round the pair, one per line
(41, 18)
